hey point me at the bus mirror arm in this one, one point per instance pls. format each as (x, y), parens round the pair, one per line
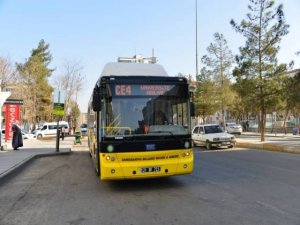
(97, 96)
(192, 109)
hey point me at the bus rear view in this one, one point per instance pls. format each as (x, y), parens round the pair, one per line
(139, 123)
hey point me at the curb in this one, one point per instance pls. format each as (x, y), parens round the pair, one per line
(11, 172)
(269, 147)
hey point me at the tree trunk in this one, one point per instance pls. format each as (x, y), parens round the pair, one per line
(284, 122)
(262, 125)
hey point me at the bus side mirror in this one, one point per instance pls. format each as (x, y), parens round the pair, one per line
(192, 109)
(97, 96)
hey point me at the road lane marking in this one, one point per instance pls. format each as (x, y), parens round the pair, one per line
(274, 208)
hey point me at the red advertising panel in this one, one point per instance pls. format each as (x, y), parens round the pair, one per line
(12, 113)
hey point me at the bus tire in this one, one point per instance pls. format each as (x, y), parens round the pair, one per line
(97, 166)
(98, 169)
(90, 153)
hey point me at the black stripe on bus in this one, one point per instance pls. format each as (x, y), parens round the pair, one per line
(167, 143)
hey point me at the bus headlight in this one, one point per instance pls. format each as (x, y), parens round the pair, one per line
(187, 144)
(110, 148)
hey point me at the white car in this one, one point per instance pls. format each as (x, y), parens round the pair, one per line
(27, 135)
(212, 135)
(50, 129)
(234, 128)
(83, 129)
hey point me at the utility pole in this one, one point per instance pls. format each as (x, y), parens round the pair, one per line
(57, 128)
(196, 39)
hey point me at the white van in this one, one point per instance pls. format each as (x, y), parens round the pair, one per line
(50, 129)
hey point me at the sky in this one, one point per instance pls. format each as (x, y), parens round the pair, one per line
(95, 32)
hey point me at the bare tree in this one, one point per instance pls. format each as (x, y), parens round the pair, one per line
(70, 80)
(7, 72)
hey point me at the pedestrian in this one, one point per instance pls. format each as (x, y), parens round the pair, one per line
(63, 133)
(247, 125)
(244, 126)
(17, 140)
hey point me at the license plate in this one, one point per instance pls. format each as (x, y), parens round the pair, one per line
(150, 169)
(225, 143)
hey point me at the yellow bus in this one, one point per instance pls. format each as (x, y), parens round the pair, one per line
(139, 123)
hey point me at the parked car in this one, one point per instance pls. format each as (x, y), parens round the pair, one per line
(212, 135)
(233, 128)
(36, 129)
(83, 129)
(27, 135)
(50, 129)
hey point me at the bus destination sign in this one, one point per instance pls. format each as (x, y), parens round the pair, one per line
(142, 89)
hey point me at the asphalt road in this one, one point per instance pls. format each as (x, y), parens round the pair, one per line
(227, 187)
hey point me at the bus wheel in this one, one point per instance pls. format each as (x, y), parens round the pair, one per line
(97, 166)
(97, 169)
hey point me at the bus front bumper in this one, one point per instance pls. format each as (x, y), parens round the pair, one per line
(119, 166)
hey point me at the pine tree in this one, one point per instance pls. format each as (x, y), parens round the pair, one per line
(264, 27)
(36, 90)
(205, 95)
(290, 94)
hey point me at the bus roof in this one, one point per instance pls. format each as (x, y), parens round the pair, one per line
(133, 69)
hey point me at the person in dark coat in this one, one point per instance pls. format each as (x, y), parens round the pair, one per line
(247, 125)
(17, 140)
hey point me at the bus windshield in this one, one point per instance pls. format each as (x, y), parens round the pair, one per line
(151, 114)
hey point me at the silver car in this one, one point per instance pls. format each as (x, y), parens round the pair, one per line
(234, 128)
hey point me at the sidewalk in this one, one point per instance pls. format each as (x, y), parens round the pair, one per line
(273, 142)
(12, 161)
